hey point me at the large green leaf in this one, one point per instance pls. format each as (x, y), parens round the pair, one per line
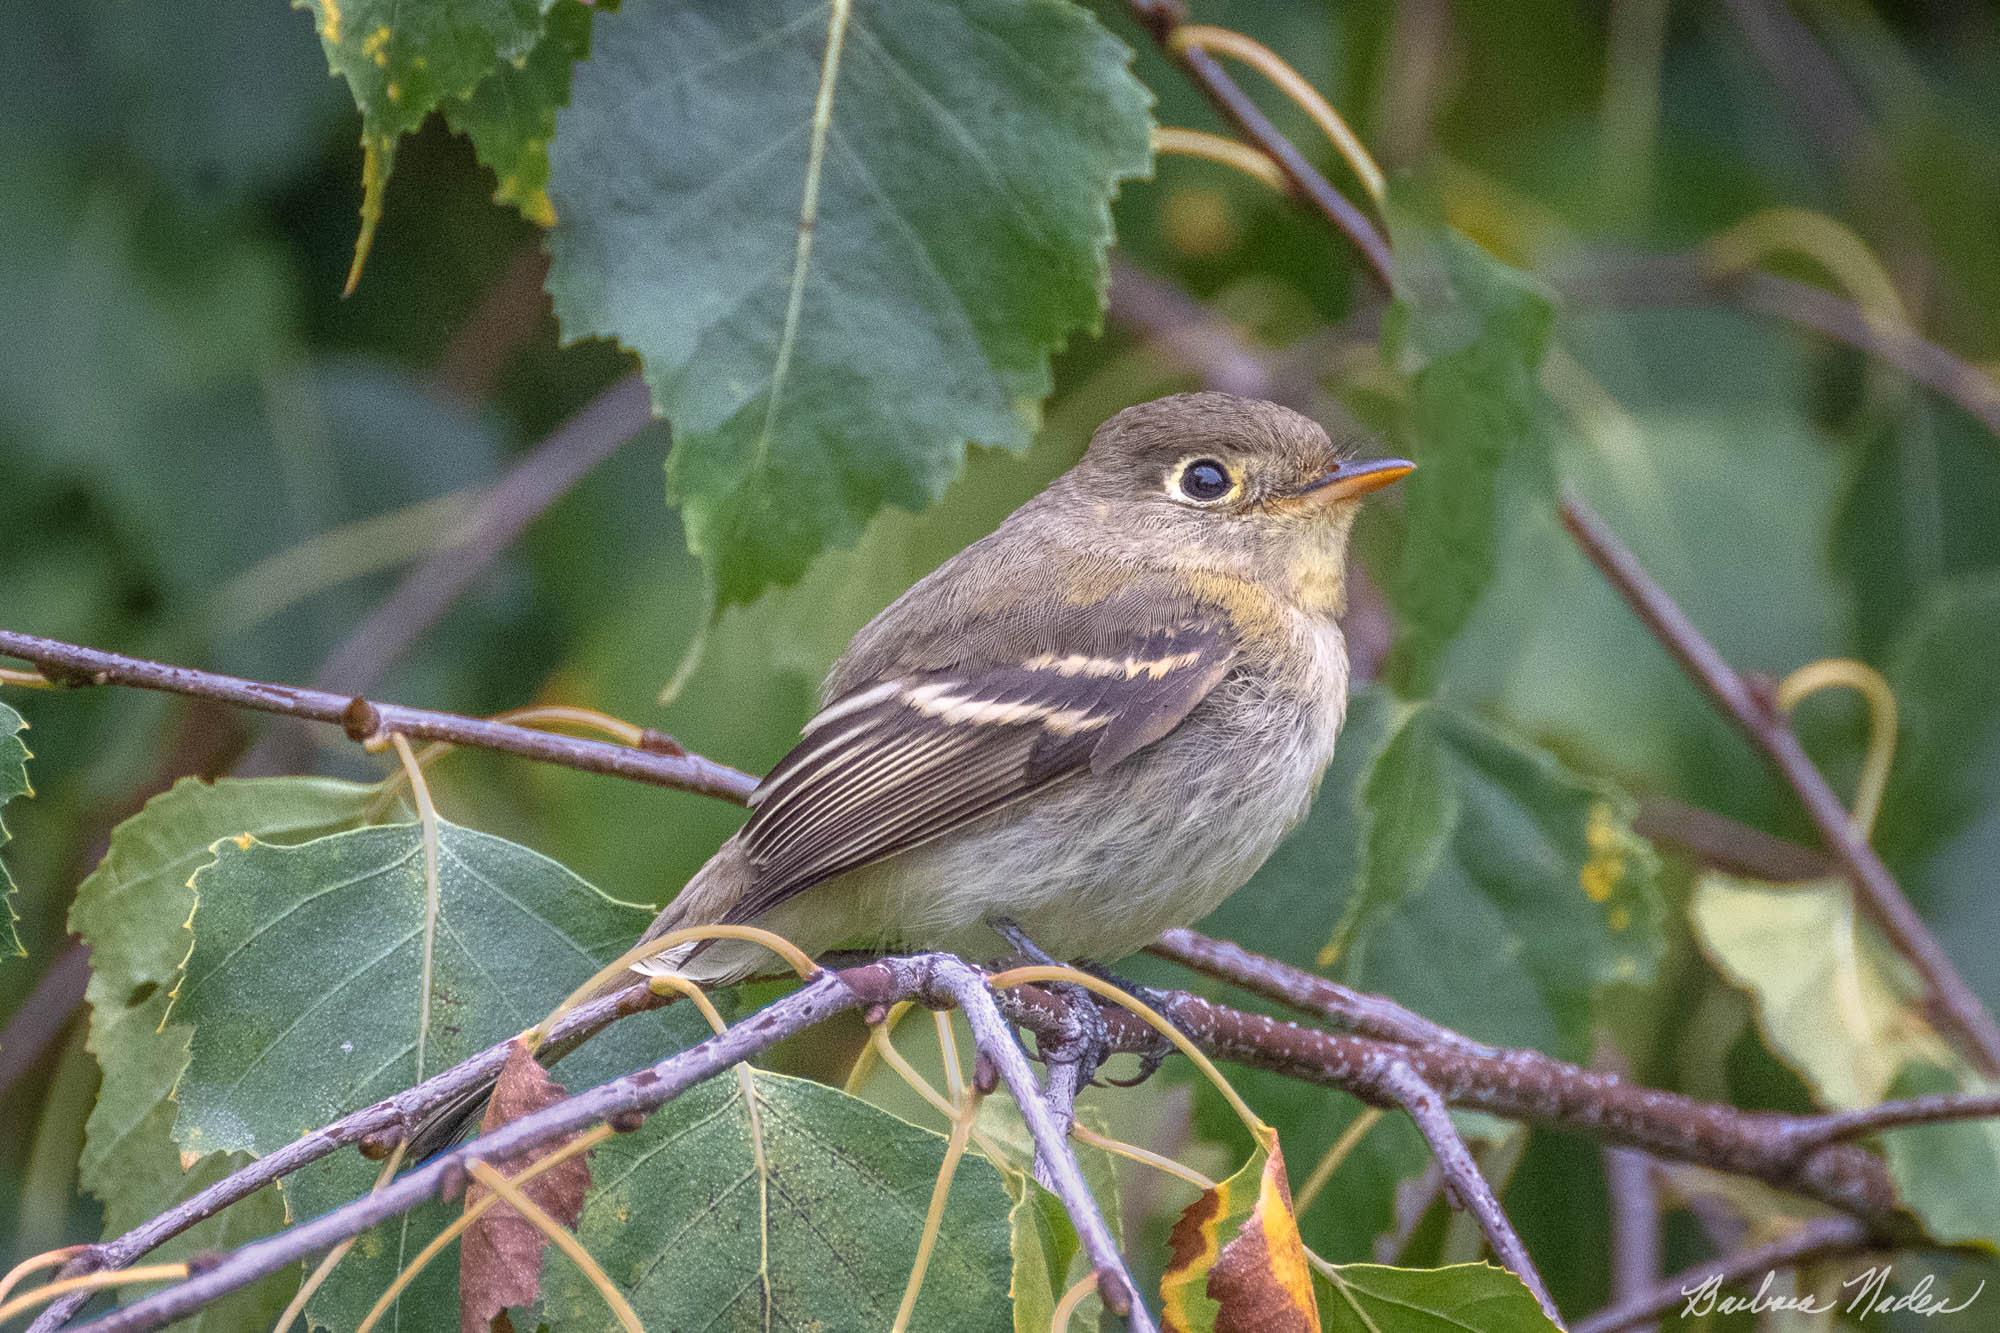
(13, 782)
(1832, 1000)
(1497, 890)
(1948, 1173)
(805, 1216)
(305, 991)
(511, 116)
(843, 239)
(1464, 1298)
(1942, 671)
(1467, 333)
(133, 912)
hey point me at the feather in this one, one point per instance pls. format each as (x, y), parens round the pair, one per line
(891, 764)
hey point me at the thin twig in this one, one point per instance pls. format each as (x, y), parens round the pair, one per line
(1685, 280)
(1815, 1240)
(365, 721)
(1396, 1081)
(1353, 1011)
(1719, 841)
(1637, 1241)
(1840, 1126)
(1957, 1007)
(966, 985)
(546, 474)
(1160, 18)
(43, 1016)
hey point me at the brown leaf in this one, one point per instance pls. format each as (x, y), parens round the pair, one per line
(1255, 1281)
(500, 1255)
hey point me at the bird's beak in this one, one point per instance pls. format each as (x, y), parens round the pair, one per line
(1355, 477)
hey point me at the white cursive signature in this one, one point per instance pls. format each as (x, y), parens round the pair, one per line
(1870, 1289)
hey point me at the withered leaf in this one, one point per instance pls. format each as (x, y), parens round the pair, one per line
(500, 1255)
(1236, 1263)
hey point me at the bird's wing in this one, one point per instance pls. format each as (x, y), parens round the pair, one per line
(910, 758)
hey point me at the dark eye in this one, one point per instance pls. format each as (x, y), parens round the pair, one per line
(1204, 479)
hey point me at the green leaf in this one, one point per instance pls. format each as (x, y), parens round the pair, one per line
(511, 116)
(843, 240)
(133, 912)
(1467, 333)
(1497, 890)
(305, 990)
(1464, 1298)
(1947, 1173)
(703, 1226)
(1941, 669)
(14, 758)
(402, 62)
(1044, 1244)
(1833, 1001)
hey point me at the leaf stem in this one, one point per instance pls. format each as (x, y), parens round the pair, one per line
(1832, 672)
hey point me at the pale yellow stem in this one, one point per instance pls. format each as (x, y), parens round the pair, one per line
(559, 1236)
(1252, 162)
(1323, 1170)
(34, 1264)
(1833, 245)
(324, 1268)
(427, 822)
(864, 1063)
(1228, 42)
(954, 1077)
(27, 680)
(954, 1150)
(1866, 681)
(646, 949)
(582, 1143)
(117, 1277)
(1066, 1307)
(1082, 1133)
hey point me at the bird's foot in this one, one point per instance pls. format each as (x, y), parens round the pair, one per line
(1075, 1054)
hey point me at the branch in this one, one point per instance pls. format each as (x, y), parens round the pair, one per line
(1684, 280)
(1160, 18)
(366, 722)
(1637, 1242)
(966, 986)
(1395, 1080)
(546, 474)
(1717, 840)
(1353, 1011)
(625, 1102)
(1756, 715)
(1815, 1240)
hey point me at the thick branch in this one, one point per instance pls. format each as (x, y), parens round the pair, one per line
(1958, 1009)
(69, 664)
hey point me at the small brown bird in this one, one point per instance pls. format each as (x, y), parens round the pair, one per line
(1095, 723)
(1089, 726)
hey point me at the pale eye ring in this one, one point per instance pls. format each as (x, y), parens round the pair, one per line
(1204, 480)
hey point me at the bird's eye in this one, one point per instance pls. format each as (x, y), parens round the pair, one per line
(1204, 480)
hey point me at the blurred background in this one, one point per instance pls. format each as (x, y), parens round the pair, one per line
(208, 456)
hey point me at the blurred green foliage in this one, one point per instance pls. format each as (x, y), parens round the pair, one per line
(208, 456)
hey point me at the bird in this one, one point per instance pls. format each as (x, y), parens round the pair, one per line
(1094, 723)
(1091, 725)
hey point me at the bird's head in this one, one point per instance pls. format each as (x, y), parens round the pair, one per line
(1215, 483)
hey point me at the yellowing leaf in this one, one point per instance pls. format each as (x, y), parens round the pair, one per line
(1832, 1001)
(1238, 1265)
